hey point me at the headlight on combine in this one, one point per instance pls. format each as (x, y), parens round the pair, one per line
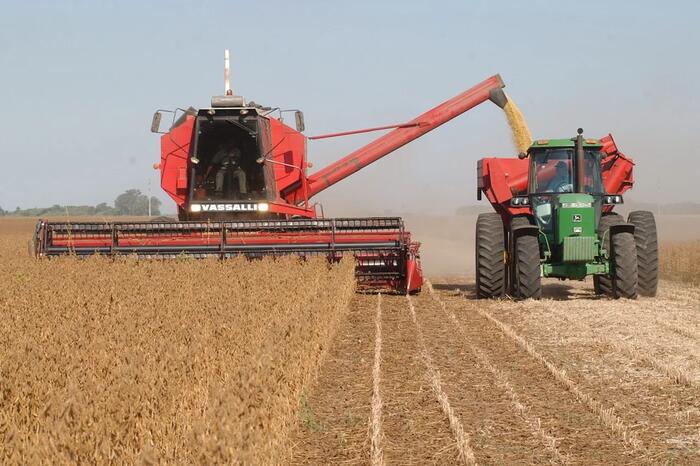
(263, 207)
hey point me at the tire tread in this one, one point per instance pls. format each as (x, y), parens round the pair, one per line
(490, 251)
(528, 282)
(625, 264)
(647, 245)
(603, 284)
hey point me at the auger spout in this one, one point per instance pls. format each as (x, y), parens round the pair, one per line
(489, 89)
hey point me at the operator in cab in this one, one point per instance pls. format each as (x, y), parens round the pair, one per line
(228, 159)
(561, 181)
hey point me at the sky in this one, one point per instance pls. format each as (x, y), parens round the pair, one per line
(80, 81)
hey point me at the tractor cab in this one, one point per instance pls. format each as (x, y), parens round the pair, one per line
(554, 219)
(563, 174)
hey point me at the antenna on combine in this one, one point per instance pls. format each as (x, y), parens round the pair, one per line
(227, 75)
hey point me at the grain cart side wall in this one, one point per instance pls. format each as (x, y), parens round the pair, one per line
(501, 178)
(618, 169)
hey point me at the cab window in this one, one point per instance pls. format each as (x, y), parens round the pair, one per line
(553, 171)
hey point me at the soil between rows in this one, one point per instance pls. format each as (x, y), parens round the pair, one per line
(582, 337)
(416, 429)
(334, 415)
(581, 435)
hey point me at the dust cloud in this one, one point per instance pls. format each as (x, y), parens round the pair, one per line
(447, 242)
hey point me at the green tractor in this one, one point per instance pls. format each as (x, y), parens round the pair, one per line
(561, 224)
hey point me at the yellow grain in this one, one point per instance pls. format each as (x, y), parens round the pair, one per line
(518, 126)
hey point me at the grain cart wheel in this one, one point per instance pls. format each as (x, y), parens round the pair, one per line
(624, 262)
(526, 268)
(490, 256)
(647, 251)
(603, 284)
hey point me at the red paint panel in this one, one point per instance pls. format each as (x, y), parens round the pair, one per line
(500, 178)
(174, 153)
(414, 272)
(252, 238)
(618, 169)
(288, 152)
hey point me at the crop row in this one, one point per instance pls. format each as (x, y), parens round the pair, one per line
(182, 361)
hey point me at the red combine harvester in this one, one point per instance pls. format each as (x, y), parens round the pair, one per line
(238, 175)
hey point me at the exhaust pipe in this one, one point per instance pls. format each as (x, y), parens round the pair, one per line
(579, 162)
(227, 75)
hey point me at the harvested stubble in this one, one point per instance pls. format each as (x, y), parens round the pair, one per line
(179, 361)
(680, 262)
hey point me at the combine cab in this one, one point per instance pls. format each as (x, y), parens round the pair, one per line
(238, 175)
(554, 219)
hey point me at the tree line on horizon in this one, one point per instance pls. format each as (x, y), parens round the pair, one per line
(131, 202)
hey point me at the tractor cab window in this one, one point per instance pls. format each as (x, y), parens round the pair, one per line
(591, 172)
(224, 160)
(553, 171)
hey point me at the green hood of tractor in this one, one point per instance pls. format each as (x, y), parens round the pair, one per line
(575, 227)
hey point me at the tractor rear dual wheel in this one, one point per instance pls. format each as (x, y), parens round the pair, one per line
(490, 256)
(646, 240)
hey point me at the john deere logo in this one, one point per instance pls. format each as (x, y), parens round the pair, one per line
(576, 218)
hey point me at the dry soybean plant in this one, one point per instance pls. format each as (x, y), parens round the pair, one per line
(680, 261)
(182, 361)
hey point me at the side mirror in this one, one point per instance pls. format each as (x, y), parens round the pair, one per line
(155, 123)
(299, 117)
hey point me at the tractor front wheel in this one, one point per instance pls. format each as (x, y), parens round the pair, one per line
(645, 238)
(527, 282)
(624, 258)
(490, 256)
(603, 284)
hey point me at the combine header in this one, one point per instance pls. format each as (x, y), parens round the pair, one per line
(238, 175)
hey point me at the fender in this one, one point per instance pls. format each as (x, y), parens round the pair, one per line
(525, 230)
(621, 228)
(519, 232)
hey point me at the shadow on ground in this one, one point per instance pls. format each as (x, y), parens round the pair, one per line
(555, 291)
